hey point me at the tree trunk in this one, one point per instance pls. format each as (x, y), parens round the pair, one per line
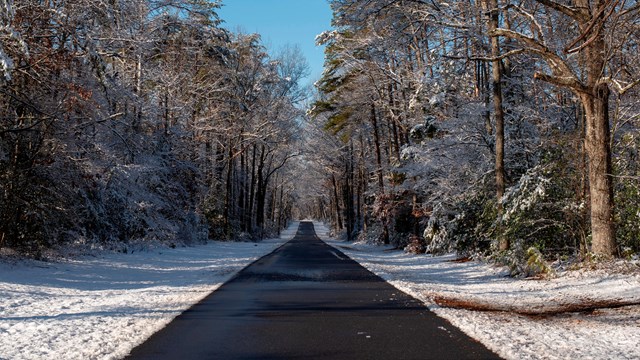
(597, 141)
(242, 191)
(228, 192)
(597, 144)
(252, 191)
(261, 191)
(137, 109)
(337, 202)
(281, 209)
(376, 141)
(496, 81)
(582, 187)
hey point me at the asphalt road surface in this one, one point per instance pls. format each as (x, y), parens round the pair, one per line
(307, 300)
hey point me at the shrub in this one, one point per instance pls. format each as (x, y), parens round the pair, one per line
(416, 245)
(627, 193)
(540, 211)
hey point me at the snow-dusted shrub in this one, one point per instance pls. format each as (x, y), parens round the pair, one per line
(465, 227)
(213, 209)
(627, 200)
(416, 245)
(394, 213)
(372, 235)
(524, 261)
(627, 194)
(436, 235)
(149, 203)
(122, 208)
(540, 211)
(423, 132)
(383, 211)
(405, 221)
(536, 264)
(475, 224)
(39, 201)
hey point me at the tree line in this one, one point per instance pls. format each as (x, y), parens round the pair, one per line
(133, 122)
(502, 127)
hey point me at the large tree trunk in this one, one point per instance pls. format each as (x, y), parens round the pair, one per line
(498, 112)
(597, 141)
(597, 144)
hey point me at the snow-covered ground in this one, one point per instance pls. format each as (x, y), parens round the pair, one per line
(598, 334)
(101, 307)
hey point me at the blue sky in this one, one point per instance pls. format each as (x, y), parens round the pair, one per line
(282, 22)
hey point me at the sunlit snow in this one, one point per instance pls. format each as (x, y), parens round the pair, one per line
(600, 334)
(101, 307)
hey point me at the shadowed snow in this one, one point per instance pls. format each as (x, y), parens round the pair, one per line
(102, 307)
(600, 334)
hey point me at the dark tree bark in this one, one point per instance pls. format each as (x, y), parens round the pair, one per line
(252, 190)
(336, 200)
(376, 142)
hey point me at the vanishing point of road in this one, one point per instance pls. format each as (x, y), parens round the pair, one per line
(307, 300)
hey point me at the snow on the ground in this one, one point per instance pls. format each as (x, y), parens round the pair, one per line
(102, 307)
(601, 334)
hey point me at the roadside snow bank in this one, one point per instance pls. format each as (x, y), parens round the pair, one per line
(102, 307)
(604, 333)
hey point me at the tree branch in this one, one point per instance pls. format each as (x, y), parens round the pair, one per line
(501, 57)
(617, 86)
(569, 11)
(531, 18)
(562, 73)
(569, 82)
(282, 163)
(597, 19)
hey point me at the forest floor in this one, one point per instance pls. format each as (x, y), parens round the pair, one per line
(577, 314)
(102, 306)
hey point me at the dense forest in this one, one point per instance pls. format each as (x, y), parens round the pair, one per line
(502, 128)
(130, 123)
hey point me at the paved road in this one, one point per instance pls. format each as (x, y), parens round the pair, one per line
(307, 300)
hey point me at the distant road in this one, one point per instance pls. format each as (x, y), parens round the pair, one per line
(307, 300)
